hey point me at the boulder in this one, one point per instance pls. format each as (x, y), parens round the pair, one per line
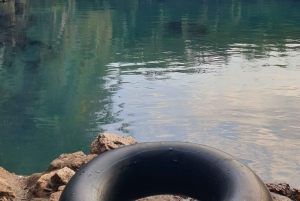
(61, 178)
(50, 182)
(42, 188)
(108, 141)
(73, 161)
(5, 191)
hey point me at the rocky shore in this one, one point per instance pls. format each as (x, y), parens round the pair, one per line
(48, 186)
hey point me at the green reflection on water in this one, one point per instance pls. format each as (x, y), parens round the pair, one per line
(72, 69)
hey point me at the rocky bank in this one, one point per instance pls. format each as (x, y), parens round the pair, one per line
(48, 186)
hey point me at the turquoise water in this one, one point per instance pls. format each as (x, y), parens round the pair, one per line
(220, 73)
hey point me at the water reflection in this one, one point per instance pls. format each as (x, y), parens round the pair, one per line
(46, 96)
(223, 74)
(180, 28)
(7, 14)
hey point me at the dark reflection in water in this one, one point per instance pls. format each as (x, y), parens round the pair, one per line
(224, 74)
(191, 28)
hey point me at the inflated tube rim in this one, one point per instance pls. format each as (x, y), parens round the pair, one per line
(179, 168)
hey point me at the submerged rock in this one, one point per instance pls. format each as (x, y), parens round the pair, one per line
(107, 141)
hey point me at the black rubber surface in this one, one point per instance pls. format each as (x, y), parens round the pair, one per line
(157, 168)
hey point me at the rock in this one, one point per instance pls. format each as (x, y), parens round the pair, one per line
(73, 161)
(61, 188)
(5, 191)
(42, 188)
(49, 182)
(277, 197)
(108, 141)
(55, 196)
(285, 190)
(61, 178)
(32, 179)
(296, 194)
(280, 188)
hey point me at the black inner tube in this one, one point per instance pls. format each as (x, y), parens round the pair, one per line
(147, 169)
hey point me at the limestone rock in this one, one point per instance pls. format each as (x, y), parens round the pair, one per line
(55, 196)
(5, 191)
(73, 161)
(61, 177)
(108, 141)
(49, 182)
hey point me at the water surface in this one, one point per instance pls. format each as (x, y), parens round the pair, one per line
(220, 73)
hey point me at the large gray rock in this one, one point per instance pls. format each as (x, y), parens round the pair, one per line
(108, 141)
(73, 161)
